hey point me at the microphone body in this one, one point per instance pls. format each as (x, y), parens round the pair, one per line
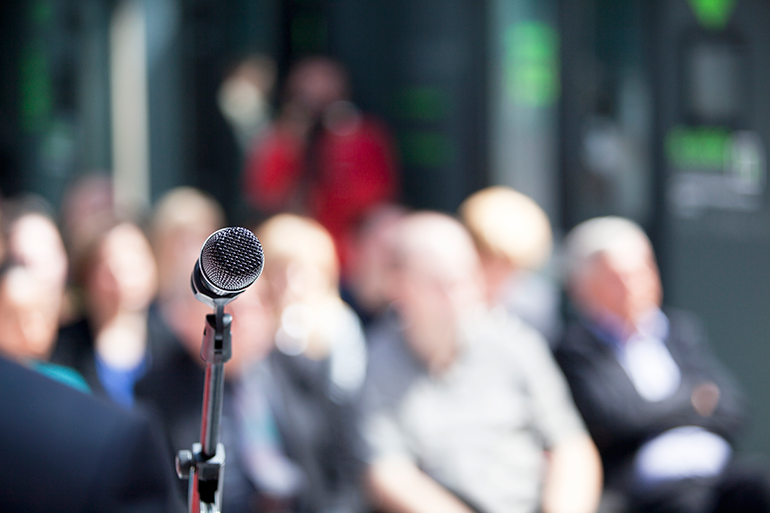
(231, 260)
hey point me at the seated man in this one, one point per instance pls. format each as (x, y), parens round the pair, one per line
(663, 414)
(465, 409)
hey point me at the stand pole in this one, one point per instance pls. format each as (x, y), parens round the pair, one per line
(204, 465)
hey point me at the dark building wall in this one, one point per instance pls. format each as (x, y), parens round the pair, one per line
(713, 200)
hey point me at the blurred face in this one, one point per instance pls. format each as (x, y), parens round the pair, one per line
(624, 282)
(27, 325)
(187, 318)
(252, 328)
(177, 252)
(316, 85)
(35, 242)
(437, 293)
(436, 288)
(371, 265)
(125, 272)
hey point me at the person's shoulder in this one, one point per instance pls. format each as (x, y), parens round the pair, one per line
(505, 333)
(71, 448)
(176, 378)
(63, 374)
(578, 338)
(56, 412)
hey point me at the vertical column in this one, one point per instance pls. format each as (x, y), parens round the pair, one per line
(524, 89)
(130, 128)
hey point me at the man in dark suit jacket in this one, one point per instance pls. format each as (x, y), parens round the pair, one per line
(663, 413)
(65, 451)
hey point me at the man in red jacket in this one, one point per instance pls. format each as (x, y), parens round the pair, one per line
(322, 157)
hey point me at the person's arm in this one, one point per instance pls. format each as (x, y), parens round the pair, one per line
(398, 486)
(573, 482)
(616, 414)
(716, 396)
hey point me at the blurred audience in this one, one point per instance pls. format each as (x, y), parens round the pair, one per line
(322, 157)
(29, 330)
(465, 409)
(32, 280)
(663, 413)
(514, 240)
(258, 477)
(184, 217)
(34, 242)
(173, 388)
(109, 346)
(319, 365)
(369, 278)
(284, 418)
(87, 205)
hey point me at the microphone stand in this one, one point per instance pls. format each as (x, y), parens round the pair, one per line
(204, 465)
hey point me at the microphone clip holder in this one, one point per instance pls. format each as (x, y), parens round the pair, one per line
(203, 466)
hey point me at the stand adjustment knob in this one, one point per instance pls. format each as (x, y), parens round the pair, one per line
(184, 462)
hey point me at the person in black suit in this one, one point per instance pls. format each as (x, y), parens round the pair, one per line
(663, 412)
(66, 451)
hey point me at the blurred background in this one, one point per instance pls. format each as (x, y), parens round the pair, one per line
(649, 109)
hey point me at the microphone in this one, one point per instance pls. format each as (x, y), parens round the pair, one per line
(231, 260)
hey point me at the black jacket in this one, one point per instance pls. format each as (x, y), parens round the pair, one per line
(619, 419)
(65, 451)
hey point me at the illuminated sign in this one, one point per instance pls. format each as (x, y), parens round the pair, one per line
(713, 14)
(532, 64)
(714, 167)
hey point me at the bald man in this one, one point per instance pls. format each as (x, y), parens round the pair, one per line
(465, 410)
(663, 414)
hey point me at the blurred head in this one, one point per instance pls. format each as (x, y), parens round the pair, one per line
(315, 83)
(508, 227)
(438, 277)
(28, 325)
(252, 329)
(184, 217)
(34, 241)
(87, 203)
(302, 273)
(371, 262)
(119, 272)
(300, 259)
(611, 270)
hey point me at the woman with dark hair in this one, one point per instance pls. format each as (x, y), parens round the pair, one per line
(109, 346)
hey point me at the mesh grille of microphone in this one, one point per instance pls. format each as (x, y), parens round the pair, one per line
(231, 259)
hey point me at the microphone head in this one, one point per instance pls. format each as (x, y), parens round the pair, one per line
(231, 259)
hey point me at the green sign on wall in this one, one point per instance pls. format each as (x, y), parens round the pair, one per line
(532, 64)
(713, 14)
